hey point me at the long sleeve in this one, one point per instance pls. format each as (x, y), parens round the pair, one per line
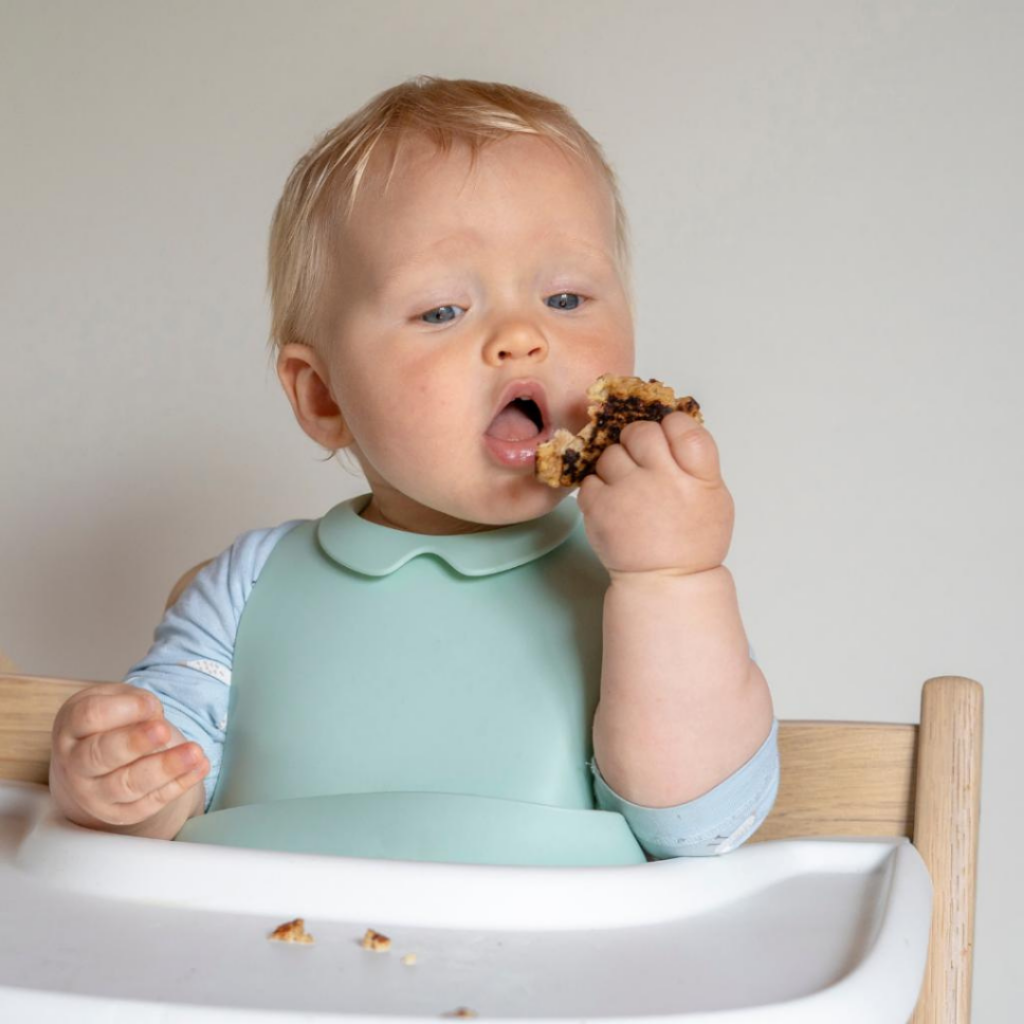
(189, 663)
(715, 822)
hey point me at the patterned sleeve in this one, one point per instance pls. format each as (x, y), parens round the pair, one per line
(715, 822)
(189, 663)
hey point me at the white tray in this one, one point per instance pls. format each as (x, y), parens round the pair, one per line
(97, 927)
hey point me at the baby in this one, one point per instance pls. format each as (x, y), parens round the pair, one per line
(462, 664)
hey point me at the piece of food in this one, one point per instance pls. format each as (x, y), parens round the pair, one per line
(375, 941)
(291, 931)
(614, 401)
(409, 959)
(462, 1011)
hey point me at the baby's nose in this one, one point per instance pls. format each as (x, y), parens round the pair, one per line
(518, 340)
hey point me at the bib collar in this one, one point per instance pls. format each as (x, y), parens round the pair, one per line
(375, 550)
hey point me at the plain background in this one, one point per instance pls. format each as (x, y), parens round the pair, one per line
(827, 216)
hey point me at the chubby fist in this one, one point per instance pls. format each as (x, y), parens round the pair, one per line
(656, 501)
(116, 762)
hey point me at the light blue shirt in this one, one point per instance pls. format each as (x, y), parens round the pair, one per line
(189, 666)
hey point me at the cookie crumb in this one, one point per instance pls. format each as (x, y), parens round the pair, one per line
(409, 959)
(291, 931)
(462, 1011)
(375, 941)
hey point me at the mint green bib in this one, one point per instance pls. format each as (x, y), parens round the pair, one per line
(413, 697)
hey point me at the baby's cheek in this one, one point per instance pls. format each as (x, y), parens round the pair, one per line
(429, 420)
(410, 441)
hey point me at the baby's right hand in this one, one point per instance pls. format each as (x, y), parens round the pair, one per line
(116, 763)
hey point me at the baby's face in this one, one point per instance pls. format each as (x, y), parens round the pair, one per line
(456, 293)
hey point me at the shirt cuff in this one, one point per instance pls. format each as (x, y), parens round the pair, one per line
(714, 823)
(184, 720)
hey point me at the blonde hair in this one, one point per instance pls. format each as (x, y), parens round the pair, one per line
(330, 173)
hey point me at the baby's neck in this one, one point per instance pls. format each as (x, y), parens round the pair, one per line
(437, 524)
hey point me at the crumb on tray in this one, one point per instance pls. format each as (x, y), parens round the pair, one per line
(292, 931)
(375, 941)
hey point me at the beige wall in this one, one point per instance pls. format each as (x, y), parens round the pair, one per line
(827, 210)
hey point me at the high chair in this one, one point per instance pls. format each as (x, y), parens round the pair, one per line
(840, 780)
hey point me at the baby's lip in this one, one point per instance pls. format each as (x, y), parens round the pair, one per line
(524, 387)
(515, 454)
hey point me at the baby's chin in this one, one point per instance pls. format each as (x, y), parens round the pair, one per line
(519, 502)
(465, 502)
(493, 503)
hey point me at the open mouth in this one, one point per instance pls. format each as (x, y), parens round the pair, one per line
(520, 420)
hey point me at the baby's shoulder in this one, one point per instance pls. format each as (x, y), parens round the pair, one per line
(226, 580)
(253, 547)
(248, 553)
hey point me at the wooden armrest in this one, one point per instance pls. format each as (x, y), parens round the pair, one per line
(28, 706)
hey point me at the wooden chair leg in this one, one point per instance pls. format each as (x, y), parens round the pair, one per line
(946, 820)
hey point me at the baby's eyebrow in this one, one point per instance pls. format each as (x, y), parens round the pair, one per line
(568, 248)
(592, 252)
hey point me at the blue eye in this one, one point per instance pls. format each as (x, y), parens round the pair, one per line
(564, 300)
(430, 312)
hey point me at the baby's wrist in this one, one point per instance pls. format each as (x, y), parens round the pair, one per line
(713, 576)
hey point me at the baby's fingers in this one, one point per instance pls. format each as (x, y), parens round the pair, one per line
(154, 780)
(102, 710)
(103, 752)
(692, 445)
(130, 814)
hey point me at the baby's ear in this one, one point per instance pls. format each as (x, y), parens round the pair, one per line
(305, 377)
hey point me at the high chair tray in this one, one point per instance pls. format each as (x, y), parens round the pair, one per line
(99, 927)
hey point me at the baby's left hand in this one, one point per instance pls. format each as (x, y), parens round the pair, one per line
(656, 502)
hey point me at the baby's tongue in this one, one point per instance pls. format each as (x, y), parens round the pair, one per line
(512, 424)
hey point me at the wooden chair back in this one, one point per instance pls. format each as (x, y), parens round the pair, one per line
(838, 779)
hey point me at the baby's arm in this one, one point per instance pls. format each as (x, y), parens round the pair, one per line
(107, 772)
(682, 706)
(188, 667)
(716, 821)
(685, 724)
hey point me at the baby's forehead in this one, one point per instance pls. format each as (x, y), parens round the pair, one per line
(413, 188)
(523, 208)
(411, 163)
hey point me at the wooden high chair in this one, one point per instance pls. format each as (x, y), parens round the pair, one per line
(839, 779)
